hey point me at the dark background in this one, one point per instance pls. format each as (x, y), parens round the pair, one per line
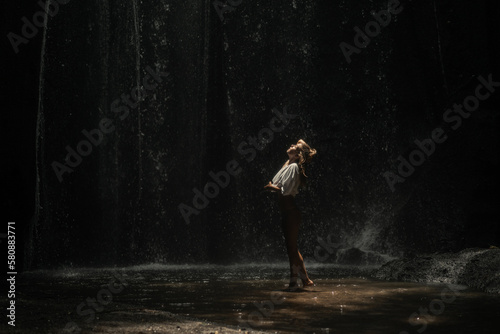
(120, 205)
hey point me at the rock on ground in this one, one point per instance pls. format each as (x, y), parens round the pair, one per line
(474, 267)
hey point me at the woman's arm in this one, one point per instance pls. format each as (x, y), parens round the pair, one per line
(271, 187)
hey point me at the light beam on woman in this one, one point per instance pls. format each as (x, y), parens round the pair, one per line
(286, 183)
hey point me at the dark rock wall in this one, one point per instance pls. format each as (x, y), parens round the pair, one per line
(120, 205)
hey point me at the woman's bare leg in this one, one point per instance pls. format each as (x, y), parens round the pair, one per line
(290, 224)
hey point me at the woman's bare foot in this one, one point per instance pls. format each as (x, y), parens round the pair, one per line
(307, 282)
(294, 283)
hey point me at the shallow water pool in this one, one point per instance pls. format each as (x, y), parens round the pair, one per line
(344, 300)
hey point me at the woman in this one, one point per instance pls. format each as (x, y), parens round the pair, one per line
(286, 183)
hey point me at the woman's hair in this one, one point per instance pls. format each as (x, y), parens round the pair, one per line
(306, 153)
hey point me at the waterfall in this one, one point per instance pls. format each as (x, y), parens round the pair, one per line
(137, 32)
(39, 153)
(120, 202)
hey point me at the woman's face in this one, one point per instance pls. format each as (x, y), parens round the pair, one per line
(294, 149)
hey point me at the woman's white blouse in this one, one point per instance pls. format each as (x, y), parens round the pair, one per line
(288, 179)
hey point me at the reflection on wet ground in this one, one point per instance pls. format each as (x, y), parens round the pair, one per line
(251, 296)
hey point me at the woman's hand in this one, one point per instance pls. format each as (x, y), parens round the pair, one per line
(271, 187)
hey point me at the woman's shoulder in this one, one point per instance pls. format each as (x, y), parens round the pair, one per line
(293, 166)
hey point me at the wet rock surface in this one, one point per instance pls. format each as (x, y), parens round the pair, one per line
(474, 267)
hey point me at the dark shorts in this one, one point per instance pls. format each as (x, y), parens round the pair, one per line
(287, 203)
